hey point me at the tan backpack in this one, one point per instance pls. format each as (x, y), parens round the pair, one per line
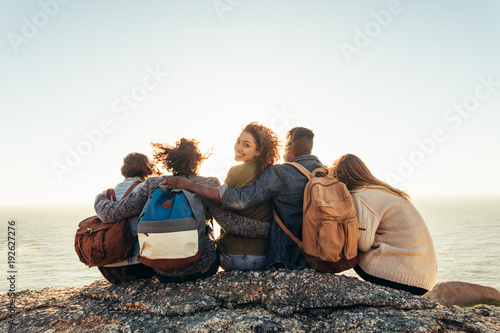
(329, 223)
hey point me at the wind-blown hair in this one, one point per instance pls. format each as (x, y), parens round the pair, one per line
(137, 165)
(182, 160)
(267, 145)
(354, 173)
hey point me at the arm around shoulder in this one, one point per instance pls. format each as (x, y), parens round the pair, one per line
(235, 224)
(112, 211)
(208, 188)
(204, 188)
(267, 186)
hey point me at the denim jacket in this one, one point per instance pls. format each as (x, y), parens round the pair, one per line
(284, 186)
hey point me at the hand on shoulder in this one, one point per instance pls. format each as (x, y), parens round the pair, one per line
(180, 183)
(212, 181)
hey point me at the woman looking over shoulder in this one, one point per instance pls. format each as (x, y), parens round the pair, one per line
(257, 147)
(395, 246)
(184, 159)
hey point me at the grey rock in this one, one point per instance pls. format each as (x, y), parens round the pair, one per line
(259, 301)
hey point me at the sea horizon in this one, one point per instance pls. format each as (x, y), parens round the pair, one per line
(463, 229)
(91, 202)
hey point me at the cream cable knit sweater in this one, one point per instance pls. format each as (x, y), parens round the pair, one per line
(394, 242)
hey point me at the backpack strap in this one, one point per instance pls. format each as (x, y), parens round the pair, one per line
(301, 168)
(322, 170)
(130, 189)
(111, 195)
(306, 173)
(285, 229)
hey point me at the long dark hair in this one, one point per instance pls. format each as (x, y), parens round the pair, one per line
(354, 173)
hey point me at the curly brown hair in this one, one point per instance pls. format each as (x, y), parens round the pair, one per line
(182, 160)
(267, 143)
(137, 165)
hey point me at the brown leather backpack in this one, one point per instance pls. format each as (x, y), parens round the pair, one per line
(329, 223)
(98, 243)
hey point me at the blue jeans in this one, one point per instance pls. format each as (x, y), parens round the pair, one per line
(242, 262)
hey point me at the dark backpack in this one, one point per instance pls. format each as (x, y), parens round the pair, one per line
(329, 223)
(172, 229)
(98, 243)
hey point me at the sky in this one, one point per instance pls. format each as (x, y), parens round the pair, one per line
(411, 87)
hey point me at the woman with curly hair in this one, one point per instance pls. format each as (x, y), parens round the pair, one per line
(258, 148)
(395, 246)
(183, 159)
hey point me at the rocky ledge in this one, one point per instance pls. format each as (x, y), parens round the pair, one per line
(264, 301)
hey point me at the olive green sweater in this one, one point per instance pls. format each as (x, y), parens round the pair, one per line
(241, 176)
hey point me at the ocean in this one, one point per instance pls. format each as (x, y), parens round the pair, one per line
(465, 230)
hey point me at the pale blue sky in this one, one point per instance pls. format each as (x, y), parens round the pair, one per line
(66, 69)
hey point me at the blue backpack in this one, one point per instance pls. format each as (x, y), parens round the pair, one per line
(172, 229)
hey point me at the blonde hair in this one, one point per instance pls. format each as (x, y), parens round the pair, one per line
(354, 173)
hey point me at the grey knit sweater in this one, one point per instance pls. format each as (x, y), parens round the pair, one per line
(110, 211)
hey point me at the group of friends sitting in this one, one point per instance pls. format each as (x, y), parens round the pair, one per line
(395, 248)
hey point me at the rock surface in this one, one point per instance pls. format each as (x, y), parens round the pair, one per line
(264, 301)
(461, 293)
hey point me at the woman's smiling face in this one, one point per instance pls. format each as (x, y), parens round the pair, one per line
(245, 148)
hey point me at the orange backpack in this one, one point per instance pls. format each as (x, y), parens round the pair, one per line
(329, 223)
